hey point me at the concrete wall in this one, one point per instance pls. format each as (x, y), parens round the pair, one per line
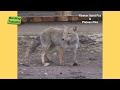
(65, 13)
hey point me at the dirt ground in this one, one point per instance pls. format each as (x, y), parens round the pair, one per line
(89, 56)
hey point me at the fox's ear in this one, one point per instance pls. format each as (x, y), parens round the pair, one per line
(75, 29)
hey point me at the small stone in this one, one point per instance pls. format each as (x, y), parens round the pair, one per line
(24, 69)
(45, 73)
(20, 68)
(92, 59)
(22, 72)
(54, 53)
(92, 51)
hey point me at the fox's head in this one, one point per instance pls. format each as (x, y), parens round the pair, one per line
(69, 33)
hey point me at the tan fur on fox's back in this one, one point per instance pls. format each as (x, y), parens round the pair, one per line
(54, 36)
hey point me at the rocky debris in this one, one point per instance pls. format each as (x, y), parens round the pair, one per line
(90, 39)
(85, 40)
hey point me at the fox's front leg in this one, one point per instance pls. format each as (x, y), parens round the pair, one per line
(43, 55)
(44, 50)
(74, 53)
(61, 55)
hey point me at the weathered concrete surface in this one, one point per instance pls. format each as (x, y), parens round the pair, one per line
(35, 28)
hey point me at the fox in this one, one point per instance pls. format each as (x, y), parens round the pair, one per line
(64, 38)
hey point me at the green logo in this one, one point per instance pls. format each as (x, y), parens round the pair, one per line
(14, 20)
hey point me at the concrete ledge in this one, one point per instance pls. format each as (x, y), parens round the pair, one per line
(37, 19)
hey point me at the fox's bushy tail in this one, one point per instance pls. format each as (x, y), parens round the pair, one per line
(33, 45)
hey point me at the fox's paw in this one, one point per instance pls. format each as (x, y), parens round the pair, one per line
(61, 64)
(46, 64)
(75, 64)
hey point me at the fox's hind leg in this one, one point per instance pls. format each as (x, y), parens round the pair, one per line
(50, 49)
(43, 53)
(48, 59)
(74, 56)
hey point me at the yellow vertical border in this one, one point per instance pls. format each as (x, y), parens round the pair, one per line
(8, 46)
(111, 45)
